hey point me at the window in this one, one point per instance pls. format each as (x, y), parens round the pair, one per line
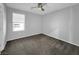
(18, 22)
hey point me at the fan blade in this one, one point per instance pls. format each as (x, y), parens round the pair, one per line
(42, 9)
(33, 7)
(43, 4)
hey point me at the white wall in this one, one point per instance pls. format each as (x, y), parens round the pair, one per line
(32, 24)
(57, 24)
(2, 27)
(63, 25)
(75, 25)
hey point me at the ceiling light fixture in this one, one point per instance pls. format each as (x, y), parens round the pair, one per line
(40, 6)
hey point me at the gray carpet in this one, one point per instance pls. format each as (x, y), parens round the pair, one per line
(39, 45)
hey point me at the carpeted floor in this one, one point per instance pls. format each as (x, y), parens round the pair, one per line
(39, 45)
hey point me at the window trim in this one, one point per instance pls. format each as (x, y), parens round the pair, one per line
(23, 16)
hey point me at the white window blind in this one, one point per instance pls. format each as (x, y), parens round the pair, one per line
(18, 22)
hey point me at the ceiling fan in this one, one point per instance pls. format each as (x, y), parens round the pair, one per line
(40, 5)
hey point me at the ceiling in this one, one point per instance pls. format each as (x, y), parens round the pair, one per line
(50, 7)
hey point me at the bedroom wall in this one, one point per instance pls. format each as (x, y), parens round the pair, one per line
(57, 24)
(32, 24)
(63, 24)
(2, 27)
(75, 25)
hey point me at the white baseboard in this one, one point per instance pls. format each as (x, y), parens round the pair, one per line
(61, 39)
(23, 36)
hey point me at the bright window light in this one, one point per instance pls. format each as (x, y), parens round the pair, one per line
(18, 22)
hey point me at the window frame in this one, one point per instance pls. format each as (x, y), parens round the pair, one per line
(18, 22)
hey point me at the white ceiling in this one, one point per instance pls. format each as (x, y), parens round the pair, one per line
(50, 7)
